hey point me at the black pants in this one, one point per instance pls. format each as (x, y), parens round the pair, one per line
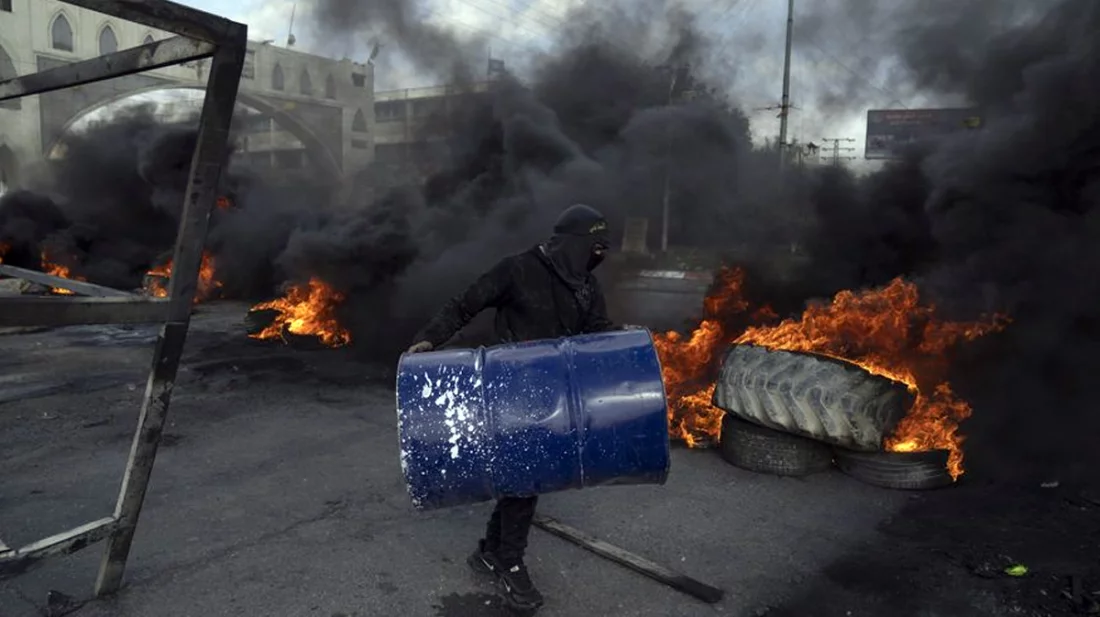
(506, 534)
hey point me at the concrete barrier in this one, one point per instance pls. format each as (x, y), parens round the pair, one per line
(659, 299)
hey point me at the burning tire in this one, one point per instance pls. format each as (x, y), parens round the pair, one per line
(764, 450)
(256, 322)
(810, 395)
(896, 470)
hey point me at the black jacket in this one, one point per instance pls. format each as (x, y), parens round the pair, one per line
(531, 299)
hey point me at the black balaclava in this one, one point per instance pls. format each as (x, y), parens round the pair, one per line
(572, 248)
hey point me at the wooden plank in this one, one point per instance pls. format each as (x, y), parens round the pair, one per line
(56, 311)
(14, 563)
(657, 572)
(211, 155)
(168, 16)
(134, 60)
(78, 287)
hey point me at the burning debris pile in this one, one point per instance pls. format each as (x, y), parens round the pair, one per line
(60, 271)
(48, 266)
(156, 280)
(884, 331)
(888, 332)
(305, 310)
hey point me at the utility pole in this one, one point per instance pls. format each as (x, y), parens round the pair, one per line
(785, 105)
(837, 149)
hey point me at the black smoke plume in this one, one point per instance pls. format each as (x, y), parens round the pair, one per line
(593, 123)
(109, 208)
(106, 209)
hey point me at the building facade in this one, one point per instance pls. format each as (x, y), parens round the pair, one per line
(324, 104)
(414, 129)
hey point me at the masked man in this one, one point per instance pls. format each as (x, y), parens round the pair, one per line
(543, 293)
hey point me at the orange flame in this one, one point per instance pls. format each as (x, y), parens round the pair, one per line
(885, 331)
(690, 364)
(55, 269)
(4, 248)
(223, 203)
(156, 282)
(306, 310)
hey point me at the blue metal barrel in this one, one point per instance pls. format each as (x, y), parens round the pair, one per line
(530, 418)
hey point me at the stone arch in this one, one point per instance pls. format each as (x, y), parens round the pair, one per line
(61, 33)
(278, 80)
(319, 153)
(7, 71)
(148, 40)
(330, 87)
(305, 83)
(9, 169)
(359, 122)
(107, 40)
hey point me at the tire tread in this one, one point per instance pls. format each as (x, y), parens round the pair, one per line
(764, 450)
(810, 395)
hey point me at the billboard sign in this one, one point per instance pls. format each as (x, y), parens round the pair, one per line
(890, 130)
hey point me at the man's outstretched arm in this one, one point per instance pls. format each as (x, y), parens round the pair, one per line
(490, 290)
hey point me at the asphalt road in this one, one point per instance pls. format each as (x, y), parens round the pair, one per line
(278, 491)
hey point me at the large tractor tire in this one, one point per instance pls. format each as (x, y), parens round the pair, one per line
(810, 395)
(764, 450)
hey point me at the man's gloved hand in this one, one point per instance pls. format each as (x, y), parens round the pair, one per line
(421, 346)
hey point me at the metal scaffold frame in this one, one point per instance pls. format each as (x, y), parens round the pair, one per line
(199, 35)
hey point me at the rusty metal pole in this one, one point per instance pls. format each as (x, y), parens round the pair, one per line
(211, 152)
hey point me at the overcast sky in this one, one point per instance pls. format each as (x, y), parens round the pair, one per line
(518, 27)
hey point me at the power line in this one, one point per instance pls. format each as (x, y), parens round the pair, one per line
(621, 45)
(530, 8)
(450, 20)
(865, 79)
(746, 10)
(493, 14)
(729, 6)
(837, 149)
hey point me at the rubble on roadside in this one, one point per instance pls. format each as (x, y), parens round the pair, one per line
(21, 287)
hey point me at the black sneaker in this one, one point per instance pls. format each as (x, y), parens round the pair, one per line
(519, 591)
(482, 561)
